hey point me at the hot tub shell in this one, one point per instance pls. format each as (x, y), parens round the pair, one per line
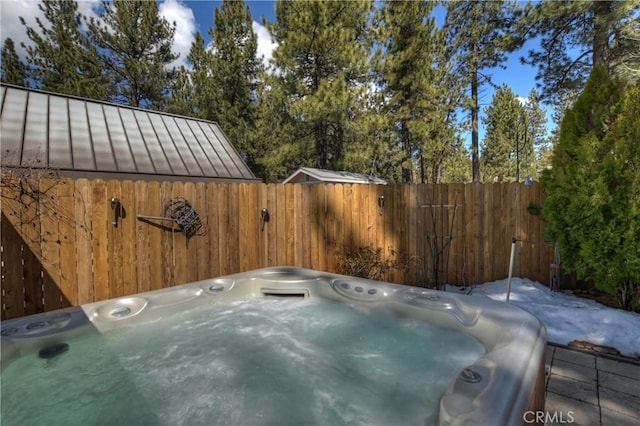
(497, 389)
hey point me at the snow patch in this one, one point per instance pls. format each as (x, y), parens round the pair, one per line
(566, 316)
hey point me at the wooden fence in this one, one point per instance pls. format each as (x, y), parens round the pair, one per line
(60, 248)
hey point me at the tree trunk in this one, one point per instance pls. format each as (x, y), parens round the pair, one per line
(321, 145)
(405, 137)
(475, 160)
(437, 173)
(517, 151)
(601, 16)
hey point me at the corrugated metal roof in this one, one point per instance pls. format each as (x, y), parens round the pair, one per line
(47, 130)
(311, 175)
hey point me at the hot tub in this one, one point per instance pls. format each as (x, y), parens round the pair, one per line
(387, 354)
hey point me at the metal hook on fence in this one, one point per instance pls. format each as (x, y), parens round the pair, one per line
(116, 206)
(264, 217)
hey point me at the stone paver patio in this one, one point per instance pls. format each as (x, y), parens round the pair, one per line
(591, 389)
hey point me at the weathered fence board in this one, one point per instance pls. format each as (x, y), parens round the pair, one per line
(50, 251)
(100, 204)
(68, 283)
(83, 219)
(63, 249)
(12, 272)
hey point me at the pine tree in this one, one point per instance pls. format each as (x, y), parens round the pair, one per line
(505, 147)
(60, 58)
(135, 47)
(235, 68)
(457, 166)
(375, 150)
(202, 79)
(13, 70)
(181, 100)
(575, 35)
(480, 34)
(592, 209)
(321, 71)
(278, 153)
(536, 125)
(412, 69)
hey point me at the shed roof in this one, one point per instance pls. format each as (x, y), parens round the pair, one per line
(311, 175)
(87, 138)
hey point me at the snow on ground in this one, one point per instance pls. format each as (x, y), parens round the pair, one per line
(568, 317)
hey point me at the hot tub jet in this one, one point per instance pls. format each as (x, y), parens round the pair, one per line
(53, 351)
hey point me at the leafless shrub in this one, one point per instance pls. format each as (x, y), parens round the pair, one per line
(368, 262)
(29, 192)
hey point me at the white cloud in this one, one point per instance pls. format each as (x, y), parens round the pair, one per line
(10, 13)
(175, 11)
(522, 100)
(12, 10)
(266, 45)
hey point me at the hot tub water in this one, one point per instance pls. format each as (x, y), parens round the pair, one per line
(258, 361)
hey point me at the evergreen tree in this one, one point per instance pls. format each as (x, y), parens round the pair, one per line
(592, 210)
(480, 35)
(202, 79)
(181, 100)
(575, 35)
(626, 63)
(536, 125)
(619, 213)
(60, 58)
(457, 166)
(443, 148)
(321, 63)
(506, 145)
(375, 150)
(278, 154)
(412, 69)
(560, 106)
(235, 68)
(13, 70)
(135, 47)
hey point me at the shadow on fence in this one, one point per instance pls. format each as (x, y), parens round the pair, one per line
(27, 287)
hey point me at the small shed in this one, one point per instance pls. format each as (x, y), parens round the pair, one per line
(82, 138)
(308, 175)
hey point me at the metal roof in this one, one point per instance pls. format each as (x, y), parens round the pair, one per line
(88, 138)
(311, 175)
